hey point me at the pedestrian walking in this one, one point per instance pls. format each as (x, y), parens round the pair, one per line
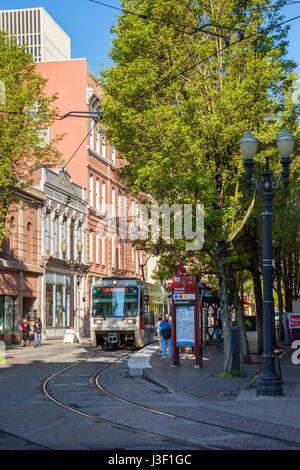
(166, 334)
(218, 331)
(25, 328)
(157, 331)
(37, 329)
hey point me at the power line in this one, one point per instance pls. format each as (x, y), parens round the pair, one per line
(144, 17)
(166, 80)
(172, 25)
(94, 125)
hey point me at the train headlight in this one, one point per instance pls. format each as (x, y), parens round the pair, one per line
(99, 322)
(130, 321)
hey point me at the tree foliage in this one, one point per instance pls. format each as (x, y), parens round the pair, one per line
(177, 104)
(24, 119)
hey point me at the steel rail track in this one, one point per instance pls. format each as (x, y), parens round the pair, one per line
(194, 420)
(96, 376)
(107, 421)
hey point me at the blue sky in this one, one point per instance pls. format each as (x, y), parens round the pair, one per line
(89, 25)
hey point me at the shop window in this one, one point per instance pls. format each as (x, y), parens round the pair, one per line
(11, 238)
(57, 301)
(7, 314)
(49, 304)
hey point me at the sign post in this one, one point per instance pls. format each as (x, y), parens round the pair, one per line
(185, 317)
(294, 325)
(185, 311)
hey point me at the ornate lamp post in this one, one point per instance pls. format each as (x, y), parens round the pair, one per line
(269, 383)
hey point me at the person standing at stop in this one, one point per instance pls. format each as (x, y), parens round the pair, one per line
(25, 328)
(37, 329)
(166, 335)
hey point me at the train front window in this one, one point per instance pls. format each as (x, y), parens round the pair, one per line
(115, 302)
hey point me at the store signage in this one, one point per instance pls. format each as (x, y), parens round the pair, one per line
(184, 290)
(185, 330)
(31, 315)
(294, 320)
(69, 336)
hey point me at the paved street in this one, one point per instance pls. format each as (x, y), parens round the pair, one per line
(187, 408)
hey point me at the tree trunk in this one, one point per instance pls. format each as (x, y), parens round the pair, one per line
(239, 308)
(278, 275)
(225, 314)
(288, 291)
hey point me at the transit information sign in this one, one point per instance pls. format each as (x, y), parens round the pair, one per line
(294, 320)
(185, 331)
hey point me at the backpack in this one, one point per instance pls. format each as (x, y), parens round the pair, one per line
(167, 333)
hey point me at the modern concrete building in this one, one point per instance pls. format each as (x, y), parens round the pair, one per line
(33, 26)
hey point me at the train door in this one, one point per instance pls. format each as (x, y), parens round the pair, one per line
(144, 315)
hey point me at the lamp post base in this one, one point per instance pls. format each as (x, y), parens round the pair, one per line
(269, 386)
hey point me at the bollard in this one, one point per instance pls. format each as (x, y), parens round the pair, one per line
(277, 353)
(235, 342)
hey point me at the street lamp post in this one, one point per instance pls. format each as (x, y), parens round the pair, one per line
(269, 383)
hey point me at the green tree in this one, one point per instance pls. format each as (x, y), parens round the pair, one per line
(176, 105)
(24, 118)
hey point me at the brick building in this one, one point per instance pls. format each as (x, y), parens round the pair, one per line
(92, 165)
(21, 269)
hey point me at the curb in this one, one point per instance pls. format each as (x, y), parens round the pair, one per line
(139, 362)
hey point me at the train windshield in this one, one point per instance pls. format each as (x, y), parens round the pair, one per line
(115, 301)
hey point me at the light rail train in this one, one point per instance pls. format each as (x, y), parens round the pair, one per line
(124, 312)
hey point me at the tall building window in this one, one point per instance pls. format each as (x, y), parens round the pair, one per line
(91, 245)
(64, 225)
(29, 242)
(97, 248)
(113, 202)
(47, 231)
(97, 140)
(92, 134)
(113, 155)
(103, 250)
(55, 234)
(113, 252)
(103, 195)
(97, 194)
(119, 203)
(91, 191)
(103, 146)
(11, 238)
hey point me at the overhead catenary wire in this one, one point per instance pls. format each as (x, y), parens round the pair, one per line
(90, 130)
(144, 17)
(166, 80)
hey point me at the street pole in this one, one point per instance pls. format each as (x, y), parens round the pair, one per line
(269, 383)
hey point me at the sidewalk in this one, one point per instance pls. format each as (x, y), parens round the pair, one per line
(232, 395)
